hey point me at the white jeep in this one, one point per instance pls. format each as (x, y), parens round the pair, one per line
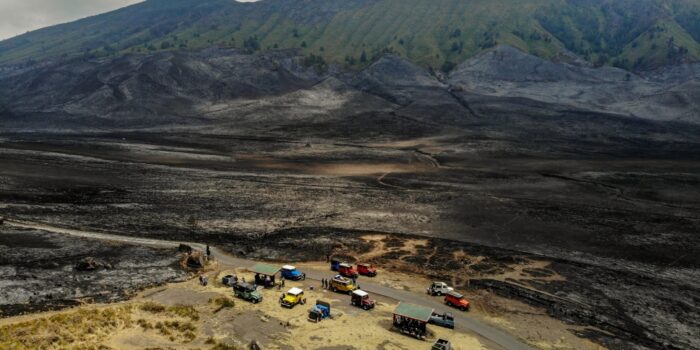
(439, 288)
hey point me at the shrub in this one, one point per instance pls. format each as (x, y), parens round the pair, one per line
(152, 307)
(186, 311)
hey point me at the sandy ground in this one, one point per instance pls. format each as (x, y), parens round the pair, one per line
(275, 327)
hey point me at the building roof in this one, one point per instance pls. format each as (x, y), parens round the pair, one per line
(416, 312)
(288, 267)
(295, 291)
(265, 269)
(360, 292)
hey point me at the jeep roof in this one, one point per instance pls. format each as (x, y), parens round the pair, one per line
(295, 291)
(360, 293)
(244, 285)
(455, 295)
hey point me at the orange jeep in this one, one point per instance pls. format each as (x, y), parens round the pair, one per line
(457, 300)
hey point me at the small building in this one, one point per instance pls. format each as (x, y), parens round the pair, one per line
(265, 274)
(412, 319)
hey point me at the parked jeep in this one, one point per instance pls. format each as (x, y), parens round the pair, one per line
(366, 270)
(247, 292)
(446, 320)
(293, 297)
(457, 300)
(439, 288)
(340, 284)
(360, 298)
(442, 344)
(229, 280)
(290, 272)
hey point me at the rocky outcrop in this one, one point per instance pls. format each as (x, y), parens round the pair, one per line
(184, 248)
(194, 260)
(91, 264)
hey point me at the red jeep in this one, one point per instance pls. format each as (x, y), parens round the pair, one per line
(360, 298)
(366, 270)
(347, 270)
(457, 300)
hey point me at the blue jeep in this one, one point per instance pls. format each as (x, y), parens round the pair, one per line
(320, 311)
(290, 272)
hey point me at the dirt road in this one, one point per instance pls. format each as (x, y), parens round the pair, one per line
(463, 322)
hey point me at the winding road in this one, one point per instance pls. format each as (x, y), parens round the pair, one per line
(462, 321)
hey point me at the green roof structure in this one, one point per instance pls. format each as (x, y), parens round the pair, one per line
(265, 269)
(416, 312)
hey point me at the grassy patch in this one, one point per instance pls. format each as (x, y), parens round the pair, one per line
(222, 303)
(152, 307)
(82, 329)
(220, 346)
(185, 311)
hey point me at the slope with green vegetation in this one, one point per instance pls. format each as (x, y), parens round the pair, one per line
(634, 34)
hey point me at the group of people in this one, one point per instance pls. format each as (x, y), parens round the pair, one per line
(266, 281)
(409, 325)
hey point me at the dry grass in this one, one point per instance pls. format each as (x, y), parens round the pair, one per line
(87, 329)
(220, 346)
(152, 307)
(177, 330)
(75, 330)
(185, 311)
(222, 303)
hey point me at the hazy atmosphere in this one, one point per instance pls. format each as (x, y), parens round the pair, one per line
(20, 16)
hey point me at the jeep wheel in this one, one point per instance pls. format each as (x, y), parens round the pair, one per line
(438, 293)
(463, 308)
(449, 303)
(365, 307)
(335, 289)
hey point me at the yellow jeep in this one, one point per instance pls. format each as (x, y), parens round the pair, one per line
(293, 297)
(341, 284)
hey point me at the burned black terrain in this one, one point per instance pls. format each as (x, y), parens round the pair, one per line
(43, 270)
(591, 214)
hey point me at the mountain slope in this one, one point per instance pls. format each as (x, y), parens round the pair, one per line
(639, 34)
(670, 94)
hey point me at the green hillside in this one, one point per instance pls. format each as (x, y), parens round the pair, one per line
(635, 34)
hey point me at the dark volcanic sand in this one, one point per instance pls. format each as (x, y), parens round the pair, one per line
(38, 270)
(622, 229)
